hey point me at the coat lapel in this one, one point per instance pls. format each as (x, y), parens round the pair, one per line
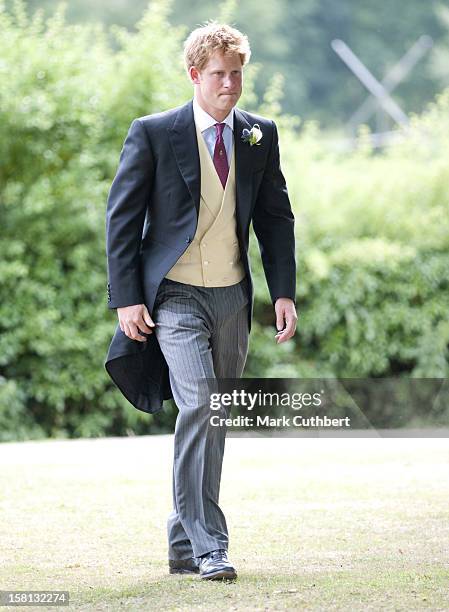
(185, 146)
(243, 168)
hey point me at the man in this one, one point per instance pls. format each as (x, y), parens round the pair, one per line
(189, 182)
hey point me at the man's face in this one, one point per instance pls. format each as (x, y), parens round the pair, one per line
(219, 85)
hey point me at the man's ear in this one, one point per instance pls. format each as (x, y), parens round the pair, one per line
(194, 74)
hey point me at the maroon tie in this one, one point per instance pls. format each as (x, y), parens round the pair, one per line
(220, 158)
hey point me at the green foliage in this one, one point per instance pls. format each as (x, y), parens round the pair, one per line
(373, 256)
(294, 38)
(372, 230)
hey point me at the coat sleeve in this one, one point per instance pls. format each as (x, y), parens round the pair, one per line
(273, 224)
(125, 217)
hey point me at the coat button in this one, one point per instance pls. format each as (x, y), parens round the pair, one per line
(188, 239)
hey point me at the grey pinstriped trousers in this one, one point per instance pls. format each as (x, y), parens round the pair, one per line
(203, 333)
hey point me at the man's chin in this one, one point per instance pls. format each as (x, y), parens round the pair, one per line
(227, 101)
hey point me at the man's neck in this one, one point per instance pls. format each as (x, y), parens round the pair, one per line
(215, 114)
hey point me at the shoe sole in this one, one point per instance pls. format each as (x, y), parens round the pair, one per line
(220, 575)
(173, 570)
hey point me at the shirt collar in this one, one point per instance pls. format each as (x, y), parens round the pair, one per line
(204, 121)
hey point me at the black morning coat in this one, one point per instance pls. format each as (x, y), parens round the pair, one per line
(152, 215)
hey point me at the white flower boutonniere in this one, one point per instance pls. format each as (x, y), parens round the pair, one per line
(253, 136)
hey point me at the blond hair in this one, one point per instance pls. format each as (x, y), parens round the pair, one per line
(213, 36)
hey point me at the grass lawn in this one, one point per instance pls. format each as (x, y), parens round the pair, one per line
(315, 524)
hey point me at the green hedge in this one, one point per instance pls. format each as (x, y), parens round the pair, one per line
(373, 255)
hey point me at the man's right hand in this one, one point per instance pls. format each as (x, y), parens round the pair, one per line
(135, 319)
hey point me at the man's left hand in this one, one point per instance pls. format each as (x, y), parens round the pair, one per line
(286, 317)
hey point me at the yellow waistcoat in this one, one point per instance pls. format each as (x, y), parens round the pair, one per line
(212, 259)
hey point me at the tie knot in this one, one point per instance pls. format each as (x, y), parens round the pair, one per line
(219, 127)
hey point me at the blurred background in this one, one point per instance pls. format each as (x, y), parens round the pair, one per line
(360, 93)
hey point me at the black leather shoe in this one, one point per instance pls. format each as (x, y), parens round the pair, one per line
(216, 566)
(183, 566)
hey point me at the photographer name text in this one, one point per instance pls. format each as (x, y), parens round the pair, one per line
(279, 422)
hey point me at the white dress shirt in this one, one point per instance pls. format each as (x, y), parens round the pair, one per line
(206, 126)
